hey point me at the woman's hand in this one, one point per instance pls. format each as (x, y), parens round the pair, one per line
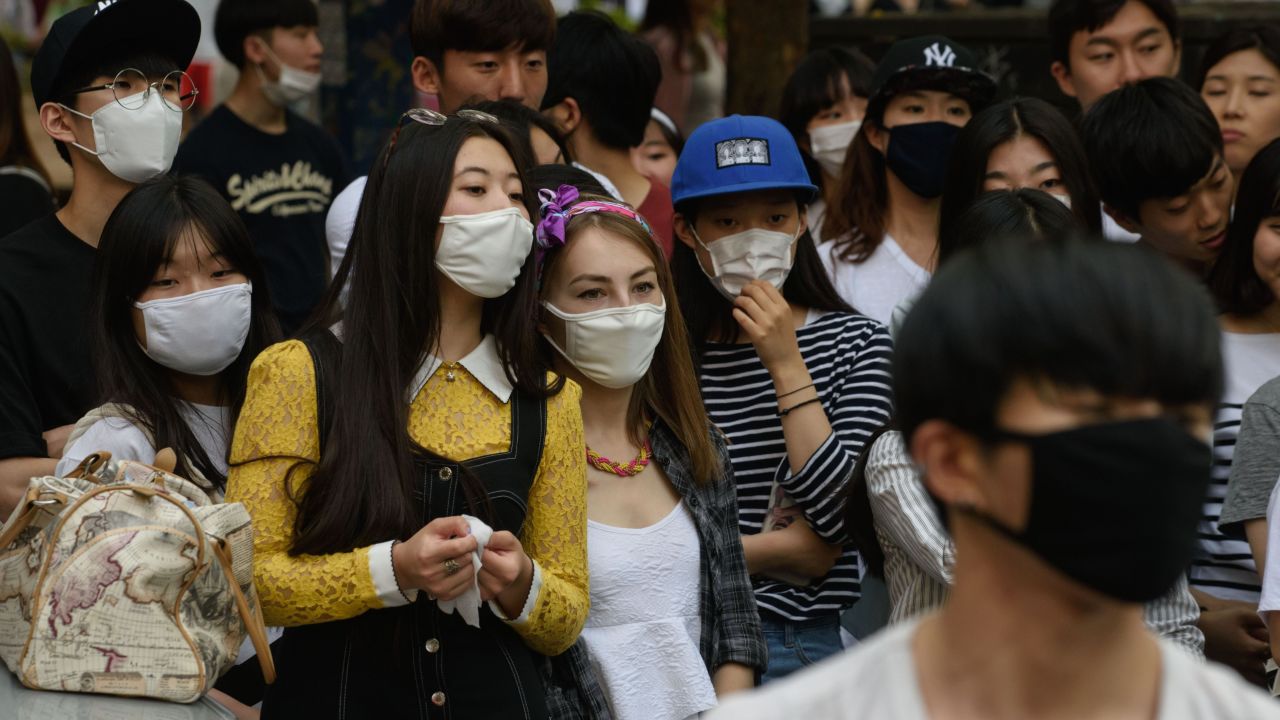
(419, 562)
(506, 573)
(765, 316)
(810, 555)
(793, 550)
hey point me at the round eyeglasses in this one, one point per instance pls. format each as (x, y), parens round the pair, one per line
(131, 88)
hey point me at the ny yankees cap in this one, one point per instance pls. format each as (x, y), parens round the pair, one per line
(930, 62)
(170, 28)
(739, 154)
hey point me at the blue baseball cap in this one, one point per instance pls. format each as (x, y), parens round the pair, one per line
(739, 154)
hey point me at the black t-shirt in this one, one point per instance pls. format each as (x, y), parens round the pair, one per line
(25, 198)
(45, 372)
(282, 186)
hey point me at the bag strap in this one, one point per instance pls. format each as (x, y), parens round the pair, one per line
(103, 412)
(252, 616)
(326, 358)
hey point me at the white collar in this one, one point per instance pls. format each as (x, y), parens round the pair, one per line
(483, 363)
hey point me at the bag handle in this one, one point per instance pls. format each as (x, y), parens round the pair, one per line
(252, 617)
(89, 467)
(31, 501)
(20, 521)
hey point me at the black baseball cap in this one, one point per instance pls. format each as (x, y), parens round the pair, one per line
(170, 28)
(930, 62)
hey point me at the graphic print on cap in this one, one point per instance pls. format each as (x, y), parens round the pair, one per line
(742, 151)
(939, 55)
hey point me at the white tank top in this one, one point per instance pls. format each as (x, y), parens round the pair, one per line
(644, 626)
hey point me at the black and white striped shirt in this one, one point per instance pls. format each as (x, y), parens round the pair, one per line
(1224, 566)
(848, 356)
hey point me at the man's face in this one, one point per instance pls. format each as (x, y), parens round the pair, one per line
(1190, 227)
(1135, 45)
(510, 74)
(997, 480)
(298, 47)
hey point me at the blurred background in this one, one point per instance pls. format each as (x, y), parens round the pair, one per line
(366, 82)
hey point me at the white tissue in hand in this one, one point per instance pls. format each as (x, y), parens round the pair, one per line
(468, 603)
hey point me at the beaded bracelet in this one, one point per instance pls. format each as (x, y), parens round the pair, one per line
(810, 401)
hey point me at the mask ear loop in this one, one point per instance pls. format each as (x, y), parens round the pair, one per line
(73, 111)
(698, 239)
(274, 58)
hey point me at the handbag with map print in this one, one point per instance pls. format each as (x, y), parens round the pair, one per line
(125, 579)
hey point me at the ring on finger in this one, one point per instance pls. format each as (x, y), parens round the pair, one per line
(451, 566)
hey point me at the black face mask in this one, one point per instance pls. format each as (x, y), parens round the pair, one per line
(918, 155)
(1114, 506)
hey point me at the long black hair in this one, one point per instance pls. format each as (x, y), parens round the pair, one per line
(1007, 121)
(139, 237)
(710, 316)
(1233, 279)
(361, 491)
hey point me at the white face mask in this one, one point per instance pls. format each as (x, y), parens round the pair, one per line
(612, 347)
(293, 85)
(830, 143)
(755, 254)
(201, 333)
(1064, 199)
(135, 145)
(484, 253)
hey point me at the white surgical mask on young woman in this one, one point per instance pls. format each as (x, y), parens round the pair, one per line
(201, 333)
(830, 143)
(484, 253)
(135, 145)
(293, 85)
(755, 254)
(1064, 199)
(613, 347)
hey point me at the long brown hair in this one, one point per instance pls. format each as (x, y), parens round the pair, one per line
(857, 221)
(362, 489)
(15, 146)
(669, 390)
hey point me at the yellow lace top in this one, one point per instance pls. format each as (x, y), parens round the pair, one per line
(456, 419)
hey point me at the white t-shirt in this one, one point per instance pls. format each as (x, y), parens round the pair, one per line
(1270, 599)
(341, 221)
(1112, 231)
(879, 680)
(816, 216)
(876, 286)
(210, 424)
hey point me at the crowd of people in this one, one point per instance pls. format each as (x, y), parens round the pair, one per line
(588, 402)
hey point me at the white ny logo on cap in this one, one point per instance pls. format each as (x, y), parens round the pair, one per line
(939, 55)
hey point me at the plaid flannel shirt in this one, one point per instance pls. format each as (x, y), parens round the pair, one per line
(730, 621)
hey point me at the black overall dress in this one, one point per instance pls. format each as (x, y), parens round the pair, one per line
(415, 661)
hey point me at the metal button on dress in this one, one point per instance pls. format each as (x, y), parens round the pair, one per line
(437, 698)
(445, 473)
(433, 645)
